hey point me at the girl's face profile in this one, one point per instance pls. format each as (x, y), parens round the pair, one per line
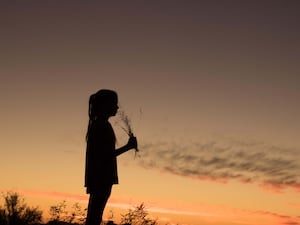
(113, 107)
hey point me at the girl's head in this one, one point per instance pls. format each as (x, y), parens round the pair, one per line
(103, 104)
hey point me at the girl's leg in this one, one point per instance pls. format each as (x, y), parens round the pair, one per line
(97, 202)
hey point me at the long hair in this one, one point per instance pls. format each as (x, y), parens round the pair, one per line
(97, 106)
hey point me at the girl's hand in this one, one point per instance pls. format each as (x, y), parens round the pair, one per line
(132, 143)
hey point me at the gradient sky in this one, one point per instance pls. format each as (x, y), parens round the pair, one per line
(212, 88)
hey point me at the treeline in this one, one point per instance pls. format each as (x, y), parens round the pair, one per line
(15, 211)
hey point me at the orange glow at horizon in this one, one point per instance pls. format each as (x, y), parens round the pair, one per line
(208, 213)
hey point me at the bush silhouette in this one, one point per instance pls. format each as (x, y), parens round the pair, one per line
(16, 211)
(138, 216)
(60, 216)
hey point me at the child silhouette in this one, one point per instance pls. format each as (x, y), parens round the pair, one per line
(101, 155)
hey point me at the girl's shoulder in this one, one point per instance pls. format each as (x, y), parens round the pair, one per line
(102, 126)
(102, 123)
(104, 130)
(99, 128)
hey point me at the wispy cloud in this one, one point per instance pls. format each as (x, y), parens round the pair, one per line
(246, 161)
(113, 202)
(55, 194)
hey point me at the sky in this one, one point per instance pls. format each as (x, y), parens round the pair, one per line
(211, 88)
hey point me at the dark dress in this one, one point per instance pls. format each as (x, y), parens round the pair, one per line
(101, 162)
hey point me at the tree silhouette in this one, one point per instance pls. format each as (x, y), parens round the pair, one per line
(16, 211)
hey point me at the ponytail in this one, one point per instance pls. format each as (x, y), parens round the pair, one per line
(92, 116)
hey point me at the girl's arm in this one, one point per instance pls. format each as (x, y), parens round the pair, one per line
(132, 144)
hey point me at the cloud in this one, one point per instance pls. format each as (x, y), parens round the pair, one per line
(271, 166)
(295, 205)
(55, 194)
